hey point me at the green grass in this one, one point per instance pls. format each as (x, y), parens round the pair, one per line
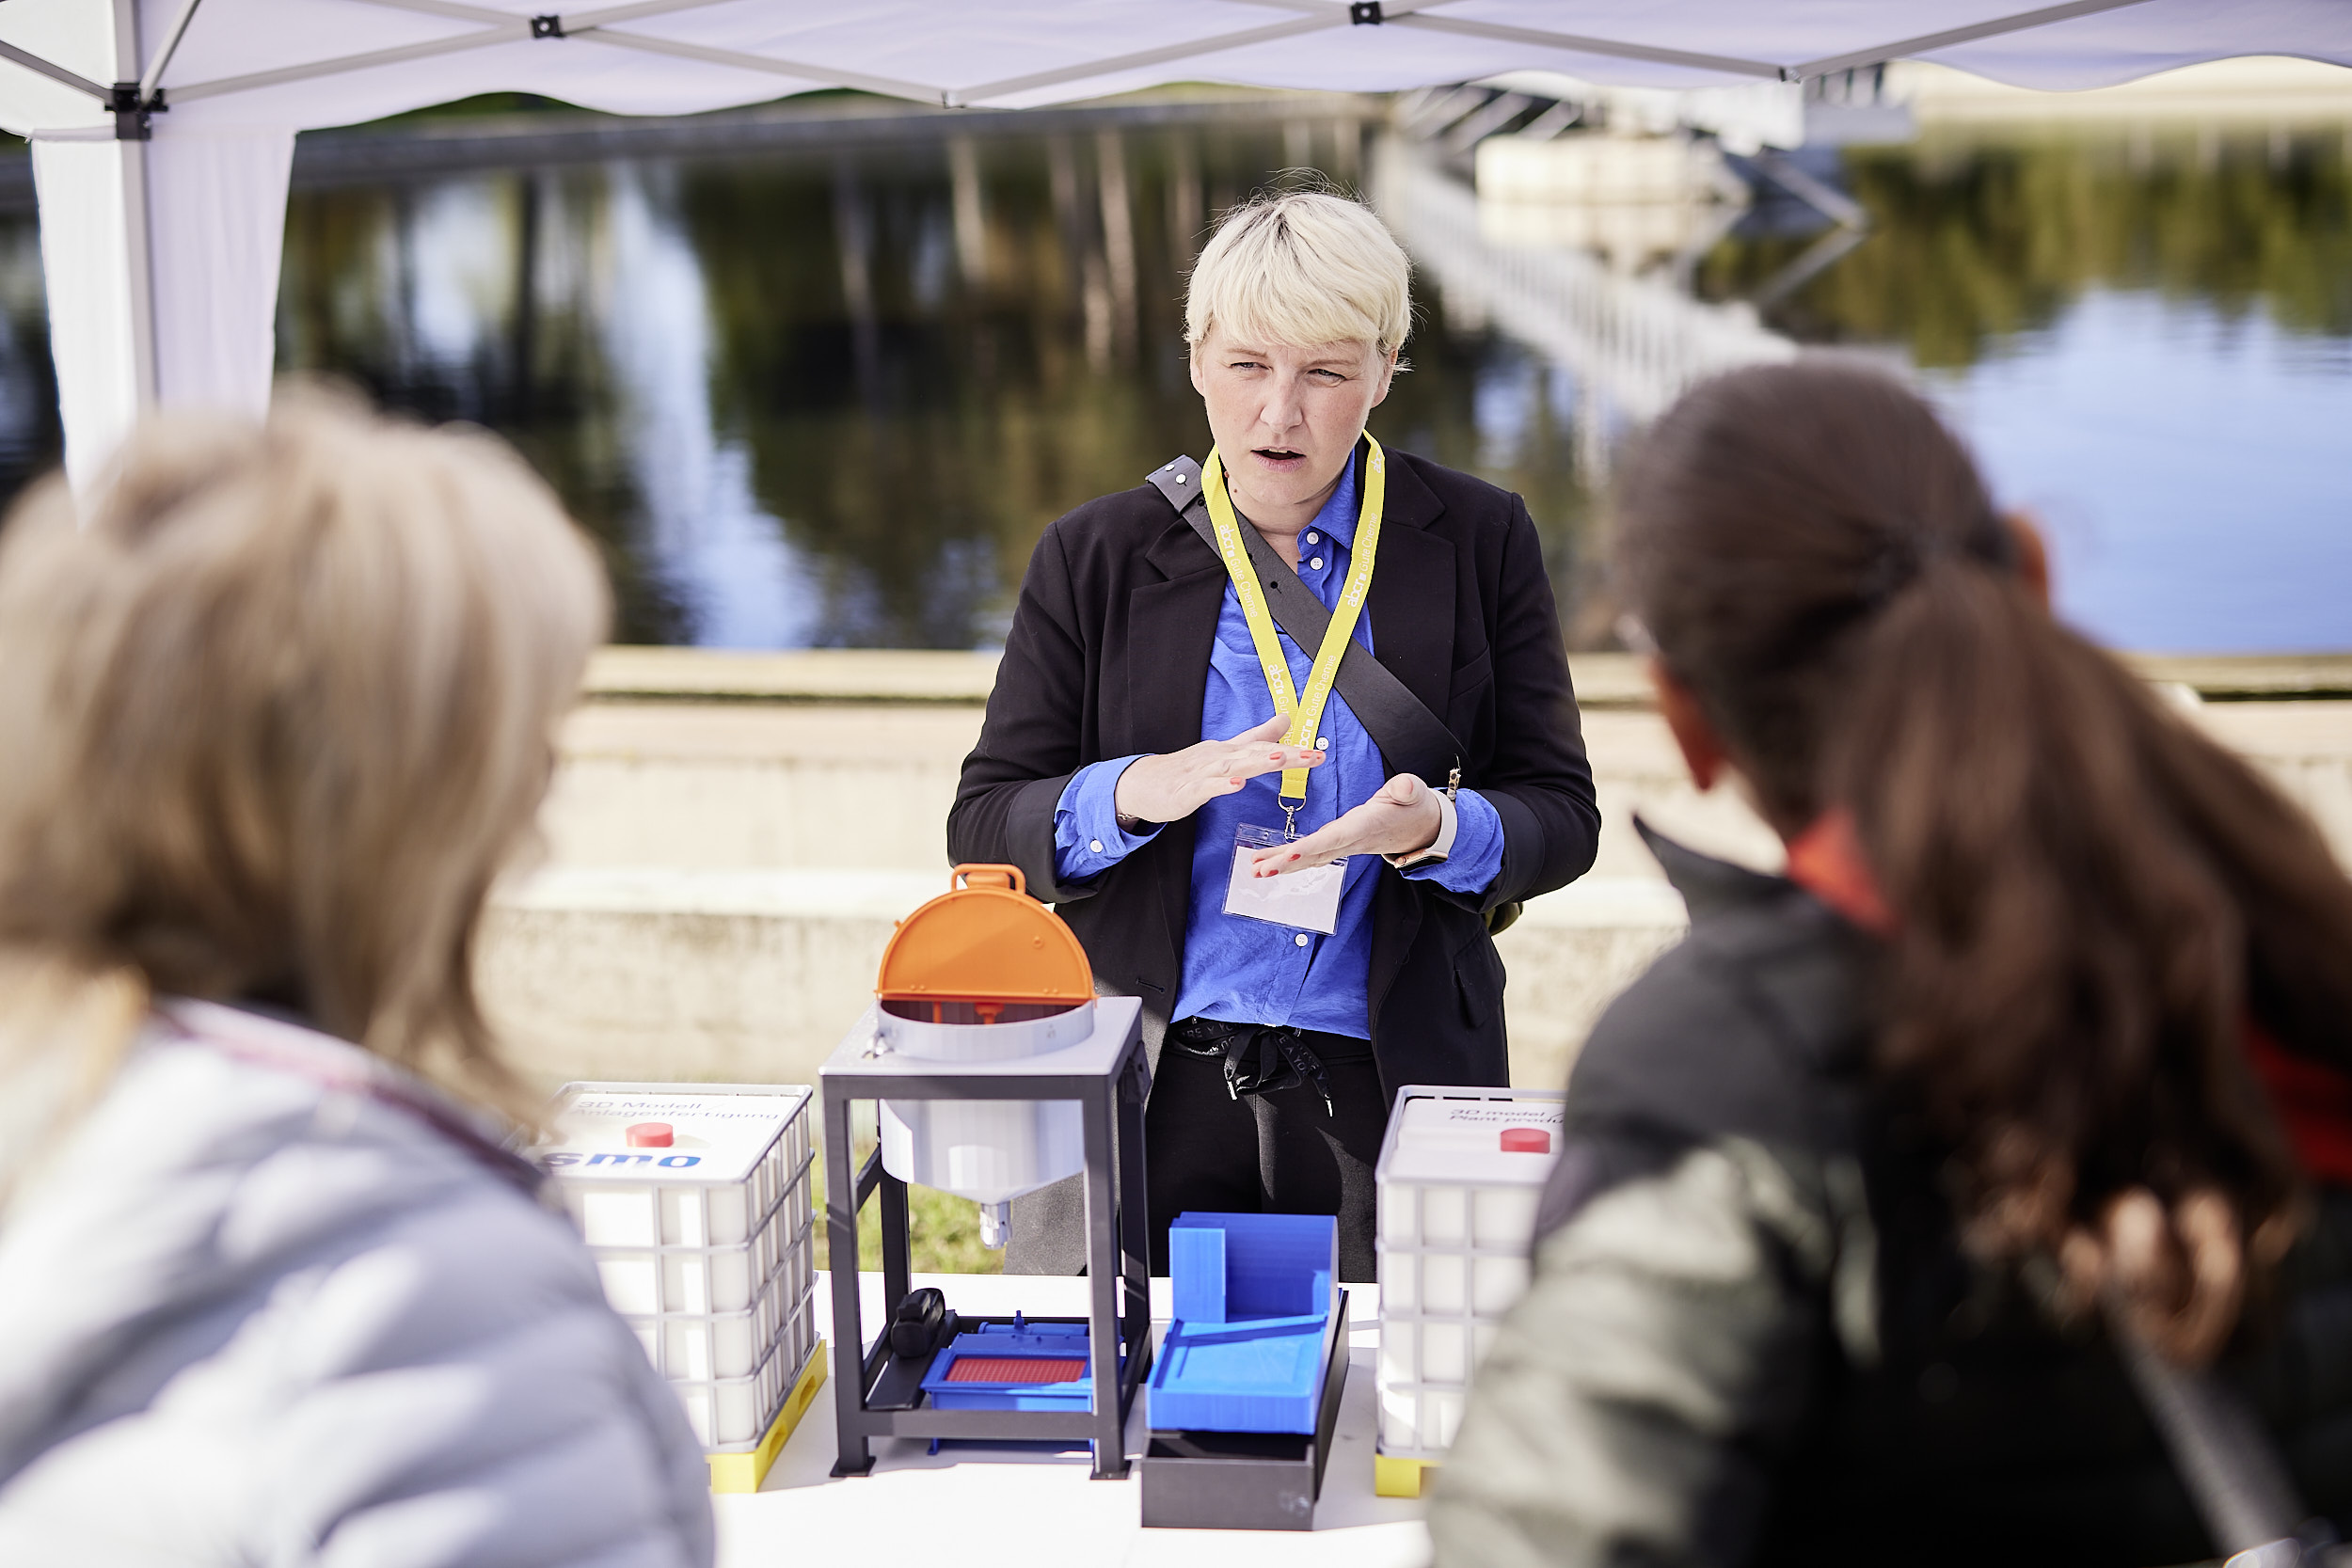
(945, 1231)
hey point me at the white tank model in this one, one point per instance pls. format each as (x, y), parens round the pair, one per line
(695, 1202)
(1461, 1171)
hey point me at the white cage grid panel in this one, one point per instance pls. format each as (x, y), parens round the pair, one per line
(735, 1412)
(641, 1281)
(701, 1347)
(1459, 1178)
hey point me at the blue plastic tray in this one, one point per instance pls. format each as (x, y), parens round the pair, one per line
(1013, 1342)
(1265, 1374)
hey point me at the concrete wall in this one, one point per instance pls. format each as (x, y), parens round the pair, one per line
(758, 974)
(723, 872)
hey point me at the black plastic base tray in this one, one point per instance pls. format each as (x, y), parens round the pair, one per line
(1245, 1479)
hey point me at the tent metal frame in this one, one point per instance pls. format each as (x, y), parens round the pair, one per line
(601, 25)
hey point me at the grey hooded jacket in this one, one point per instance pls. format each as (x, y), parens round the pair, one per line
(1752, 1337)
(273, 1303)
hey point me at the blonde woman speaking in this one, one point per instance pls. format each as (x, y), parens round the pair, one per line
(277, 704)
(1282, 735)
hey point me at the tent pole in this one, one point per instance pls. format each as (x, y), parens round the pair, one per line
(139, 250)
(1605, 47)
(505, 32)
(153, 75)
(1904, 47)
(54, 72)
(95, 251)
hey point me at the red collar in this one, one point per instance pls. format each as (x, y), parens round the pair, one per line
(1826, 861)
(2312, 1101)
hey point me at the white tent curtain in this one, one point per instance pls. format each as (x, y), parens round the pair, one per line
(161, 261)
(161, 254)
(94, 255)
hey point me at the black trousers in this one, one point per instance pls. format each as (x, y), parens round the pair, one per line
(1275, 1153)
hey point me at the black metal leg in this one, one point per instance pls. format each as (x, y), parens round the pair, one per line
(1105, 1285)
(1134, 1220)
(849, 1334)
(897, 1247)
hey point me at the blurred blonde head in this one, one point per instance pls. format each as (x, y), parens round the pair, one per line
(277, 702)
(1302, 268)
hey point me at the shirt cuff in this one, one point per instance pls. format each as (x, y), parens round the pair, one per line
(1437, 848)
(1087, 839)
(1472, 838)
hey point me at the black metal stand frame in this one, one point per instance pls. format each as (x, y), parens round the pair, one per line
(1119, 1254)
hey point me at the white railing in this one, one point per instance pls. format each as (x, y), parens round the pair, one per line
(1637, 341)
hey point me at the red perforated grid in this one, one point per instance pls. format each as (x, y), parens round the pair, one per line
(1016, 1369)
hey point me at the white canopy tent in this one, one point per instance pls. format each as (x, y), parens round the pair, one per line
(163, 130)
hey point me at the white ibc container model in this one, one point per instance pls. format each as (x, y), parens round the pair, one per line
(697, 1204)
(1459, 1175)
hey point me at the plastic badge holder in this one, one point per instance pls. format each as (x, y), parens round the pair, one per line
(1460, 1176)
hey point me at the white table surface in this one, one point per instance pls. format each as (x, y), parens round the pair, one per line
(972, 1507)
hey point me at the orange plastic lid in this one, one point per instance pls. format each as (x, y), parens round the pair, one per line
(985, 941)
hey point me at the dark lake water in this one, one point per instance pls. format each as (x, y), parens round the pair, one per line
(826, 395)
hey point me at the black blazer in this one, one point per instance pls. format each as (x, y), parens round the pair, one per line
(1109, 654)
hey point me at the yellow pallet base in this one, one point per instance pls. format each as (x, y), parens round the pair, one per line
(1398, 1477)
(743, 1471)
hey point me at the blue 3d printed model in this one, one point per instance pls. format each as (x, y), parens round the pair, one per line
(1245, 1388)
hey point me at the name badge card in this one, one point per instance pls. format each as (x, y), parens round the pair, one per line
(1299, 900)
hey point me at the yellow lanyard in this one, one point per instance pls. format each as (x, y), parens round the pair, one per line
(1305, 713)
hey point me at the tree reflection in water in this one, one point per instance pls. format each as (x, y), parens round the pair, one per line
(1979, 237)
(828, 394)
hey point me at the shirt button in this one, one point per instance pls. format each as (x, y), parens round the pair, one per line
(1316, 563)
(1312, 538)
(1096, 845)
(1300, 940)
(1323, 743)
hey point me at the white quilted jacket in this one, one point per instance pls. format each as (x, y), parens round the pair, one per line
(275, 1303)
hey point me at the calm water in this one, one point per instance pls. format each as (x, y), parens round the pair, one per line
(829, 396)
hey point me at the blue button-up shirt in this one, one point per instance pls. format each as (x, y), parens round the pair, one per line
(1246, 970)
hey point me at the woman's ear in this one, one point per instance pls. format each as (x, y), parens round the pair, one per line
(2033, 555)
(1702, 750)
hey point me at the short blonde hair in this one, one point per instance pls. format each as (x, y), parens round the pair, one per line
(278, 704)
(1302, 268)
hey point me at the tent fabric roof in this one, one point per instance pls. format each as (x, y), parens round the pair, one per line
(302, 64)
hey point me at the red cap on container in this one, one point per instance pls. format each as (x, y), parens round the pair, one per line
(1526, 1140)
(656, 1134)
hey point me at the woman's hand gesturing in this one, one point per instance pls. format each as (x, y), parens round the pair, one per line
(1401, 817)
(1172, 785)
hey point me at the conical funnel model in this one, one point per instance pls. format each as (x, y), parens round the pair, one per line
(983, 973)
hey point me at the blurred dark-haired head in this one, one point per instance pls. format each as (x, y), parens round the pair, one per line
(2092, 903)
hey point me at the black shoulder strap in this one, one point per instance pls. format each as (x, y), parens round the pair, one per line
(1414, 740)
